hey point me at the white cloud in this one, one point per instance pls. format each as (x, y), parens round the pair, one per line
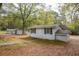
(54, 6)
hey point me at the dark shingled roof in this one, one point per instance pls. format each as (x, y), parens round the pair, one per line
(44, 26)
(63, 27)
(49, 26)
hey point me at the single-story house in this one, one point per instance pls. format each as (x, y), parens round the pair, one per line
(51, 32)
(11, 31)
(14, 31)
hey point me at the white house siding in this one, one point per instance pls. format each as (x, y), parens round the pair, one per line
(11, 31)
(40, 34)
(19, 31)
(63, 37)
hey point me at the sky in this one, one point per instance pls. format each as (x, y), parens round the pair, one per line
(54, 6)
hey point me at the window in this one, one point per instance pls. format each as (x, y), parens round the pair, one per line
(47, 30)
(33, 30)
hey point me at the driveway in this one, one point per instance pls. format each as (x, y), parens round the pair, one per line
(74, 37)
(74, 40)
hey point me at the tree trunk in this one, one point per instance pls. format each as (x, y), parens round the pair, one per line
(0, 5)
(23, 29)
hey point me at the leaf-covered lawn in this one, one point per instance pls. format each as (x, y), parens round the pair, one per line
(44, 41)
(39, 47)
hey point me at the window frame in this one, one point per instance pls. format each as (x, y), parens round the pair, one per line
(33, 30)
(47, 30)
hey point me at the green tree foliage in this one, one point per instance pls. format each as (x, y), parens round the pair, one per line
(70, 16)
(24, 15)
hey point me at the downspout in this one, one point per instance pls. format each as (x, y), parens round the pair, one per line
(55, 36)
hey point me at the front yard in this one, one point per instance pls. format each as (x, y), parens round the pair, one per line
(3, 32)
(37, 47)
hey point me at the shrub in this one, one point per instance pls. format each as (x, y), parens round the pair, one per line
(75, 31)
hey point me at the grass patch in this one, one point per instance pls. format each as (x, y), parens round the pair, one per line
(2, 41)
(5, 40)
(18, 44)
(44, 41)
(3, 32)
(11, 47)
